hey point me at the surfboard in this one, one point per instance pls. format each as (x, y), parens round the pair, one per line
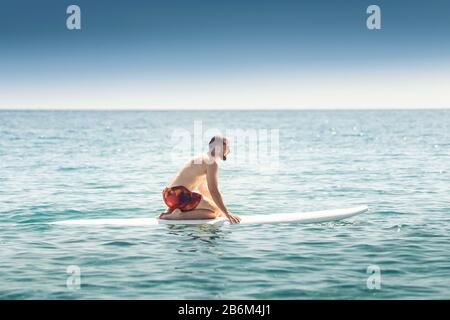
(305, 217)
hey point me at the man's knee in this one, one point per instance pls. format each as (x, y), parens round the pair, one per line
(212, 214)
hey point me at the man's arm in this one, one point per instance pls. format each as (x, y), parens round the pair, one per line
(213, 187)
(203, 188)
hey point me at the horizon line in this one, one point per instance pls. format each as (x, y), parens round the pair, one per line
(230, 109)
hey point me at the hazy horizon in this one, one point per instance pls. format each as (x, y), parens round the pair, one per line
(226, 109)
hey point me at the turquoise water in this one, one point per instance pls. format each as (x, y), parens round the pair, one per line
(57, 165)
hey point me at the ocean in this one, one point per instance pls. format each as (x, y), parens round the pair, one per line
(59, 165)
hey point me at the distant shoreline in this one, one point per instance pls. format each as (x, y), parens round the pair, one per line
(232, 110)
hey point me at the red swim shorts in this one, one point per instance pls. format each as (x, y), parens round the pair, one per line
(180, 197)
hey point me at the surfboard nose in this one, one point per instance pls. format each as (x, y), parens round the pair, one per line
(363, 208)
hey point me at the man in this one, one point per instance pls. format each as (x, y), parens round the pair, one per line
(198, 173)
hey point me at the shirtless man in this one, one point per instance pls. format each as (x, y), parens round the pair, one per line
(198, 173)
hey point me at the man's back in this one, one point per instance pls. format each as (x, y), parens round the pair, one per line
(192, 174)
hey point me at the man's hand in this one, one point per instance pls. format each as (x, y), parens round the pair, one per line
(233, 218)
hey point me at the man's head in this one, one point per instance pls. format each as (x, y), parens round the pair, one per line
(219, 147)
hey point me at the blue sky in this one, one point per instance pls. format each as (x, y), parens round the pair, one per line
(171, 54)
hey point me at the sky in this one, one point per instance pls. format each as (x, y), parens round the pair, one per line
(227, 54)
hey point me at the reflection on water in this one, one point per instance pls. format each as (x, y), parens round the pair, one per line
(204, 232)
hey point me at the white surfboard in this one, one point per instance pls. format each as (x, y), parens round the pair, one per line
(305, 217)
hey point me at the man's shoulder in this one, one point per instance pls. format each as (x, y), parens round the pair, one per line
(204, 159)
(208, 161)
